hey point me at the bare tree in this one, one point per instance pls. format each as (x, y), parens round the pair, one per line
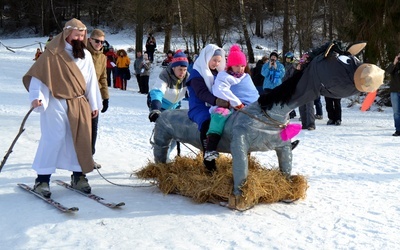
(304, 27)
(168, 25)
(257, 11)
(285, 28)
(250, 52)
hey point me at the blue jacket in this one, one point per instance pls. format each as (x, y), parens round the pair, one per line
(200, 98)
(168, 91)
(272, 76)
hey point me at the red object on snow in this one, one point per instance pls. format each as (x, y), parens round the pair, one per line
(118, 83)
(369, 99)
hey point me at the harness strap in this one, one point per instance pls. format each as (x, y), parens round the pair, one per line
(274, 123)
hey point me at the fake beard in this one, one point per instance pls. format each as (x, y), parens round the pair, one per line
(77, 49)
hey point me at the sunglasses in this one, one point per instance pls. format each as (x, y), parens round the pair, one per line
(98, 41)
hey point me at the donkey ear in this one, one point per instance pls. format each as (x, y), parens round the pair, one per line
(356, 48)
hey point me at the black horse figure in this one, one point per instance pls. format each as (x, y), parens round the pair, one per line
(332, 72)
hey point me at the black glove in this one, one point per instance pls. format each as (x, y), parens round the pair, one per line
(222, 103)
(154, 114)
(105, 105)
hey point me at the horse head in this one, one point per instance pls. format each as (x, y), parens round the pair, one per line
(330, 70)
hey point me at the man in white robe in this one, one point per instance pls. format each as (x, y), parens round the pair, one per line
(63, 88)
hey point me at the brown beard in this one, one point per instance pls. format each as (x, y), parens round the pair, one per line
(78, 49)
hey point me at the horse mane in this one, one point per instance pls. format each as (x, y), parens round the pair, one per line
(282, 93)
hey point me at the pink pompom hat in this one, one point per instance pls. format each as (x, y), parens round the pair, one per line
(236, 57)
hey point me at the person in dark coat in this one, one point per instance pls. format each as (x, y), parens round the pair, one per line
(394, 87)
(256, 76)
(137, 66)
(151, 46)
(290, 68)
(168, 59)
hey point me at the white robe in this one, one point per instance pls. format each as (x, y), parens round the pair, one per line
(56, 148)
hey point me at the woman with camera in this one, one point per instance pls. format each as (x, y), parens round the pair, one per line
(273, 72)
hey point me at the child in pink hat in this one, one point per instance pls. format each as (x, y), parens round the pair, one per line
(235, 86)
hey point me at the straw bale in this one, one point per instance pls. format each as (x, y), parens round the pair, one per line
(187, 176)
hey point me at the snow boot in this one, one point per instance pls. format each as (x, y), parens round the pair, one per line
(80, 182)
(42, 188)
(210, 155)
(212, 143)
(211, 166)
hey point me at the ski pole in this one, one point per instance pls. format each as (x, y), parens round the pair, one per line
(21, 130)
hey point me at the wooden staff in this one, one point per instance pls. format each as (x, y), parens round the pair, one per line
(21, 130)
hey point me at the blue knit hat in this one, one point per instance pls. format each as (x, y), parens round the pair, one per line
(179, 59)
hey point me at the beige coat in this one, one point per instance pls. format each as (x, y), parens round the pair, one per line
(100, 64)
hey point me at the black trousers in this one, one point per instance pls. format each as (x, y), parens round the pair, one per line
(109, 72)
(138, 82)
(95, 122)
(144, 82)
(333, 108)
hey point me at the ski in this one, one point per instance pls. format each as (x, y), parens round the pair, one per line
(52, 202)
(91, 196)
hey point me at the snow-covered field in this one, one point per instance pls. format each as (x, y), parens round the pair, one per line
(352, 201)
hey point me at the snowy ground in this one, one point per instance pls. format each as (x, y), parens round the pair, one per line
(352, 201)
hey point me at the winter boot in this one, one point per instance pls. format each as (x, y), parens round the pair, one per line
(210, 166)
(330, 122)
(80, 182)
(210, 155)
(42, 188)
(295, 143)
(292, 114)
(212, 143)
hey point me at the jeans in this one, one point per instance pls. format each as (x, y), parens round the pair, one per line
(307, 115)
(318, 106)
(395, 99)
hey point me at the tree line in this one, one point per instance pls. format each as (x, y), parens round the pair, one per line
(288, 25)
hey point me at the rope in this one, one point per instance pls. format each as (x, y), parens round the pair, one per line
(11, 48)
(123, 185)
(275, 123)
(188, 148)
